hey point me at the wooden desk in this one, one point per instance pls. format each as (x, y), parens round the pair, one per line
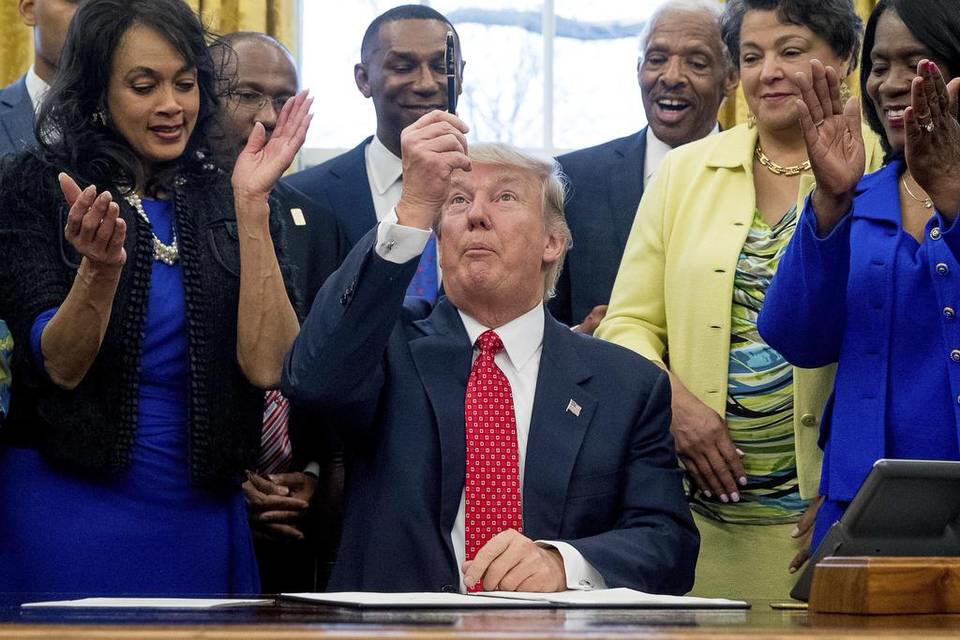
(294, 622)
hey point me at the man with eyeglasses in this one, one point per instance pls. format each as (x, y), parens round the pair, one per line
(294, 503)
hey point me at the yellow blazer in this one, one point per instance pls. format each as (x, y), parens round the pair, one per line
(672, 299)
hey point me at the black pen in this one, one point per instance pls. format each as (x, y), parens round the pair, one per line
(450, 62)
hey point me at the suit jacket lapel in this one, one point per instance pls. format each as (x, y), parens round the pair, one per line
(556, 431)
(16, 113)
(626, 184)
(443, 360)
(351, 192)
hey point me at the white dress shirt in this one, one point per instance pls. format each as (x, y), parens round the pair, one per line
(36, 88)
(519, 360)
(656, 151)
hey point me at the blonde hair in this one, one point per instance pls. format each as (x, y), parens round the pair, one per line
(553, 190)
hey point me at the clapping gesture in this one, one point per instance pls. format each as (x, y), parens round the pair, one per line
(262, 161)
(831, 131)
(932, 145)
(94, 226)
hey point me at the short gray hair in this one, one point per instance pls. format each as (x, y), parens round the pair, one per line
(690, 6)
(553, 190)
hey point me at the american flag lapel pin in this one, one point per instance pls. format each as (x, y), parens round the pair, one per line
(573, 407)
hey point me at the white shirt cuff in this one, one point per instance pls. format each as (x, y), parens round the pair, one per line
(313, 469)
(397, 243)
(580, 574)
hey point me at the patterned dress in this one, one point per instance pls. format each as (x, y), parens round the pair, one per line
(6, 349)
(754, 534)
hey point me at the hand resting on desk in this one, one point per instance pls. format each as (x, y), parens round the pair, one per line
(512, 562)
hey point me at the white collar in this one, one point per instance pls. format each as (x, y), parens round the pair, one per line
(657, 149)
(521, 337)
(36, 87)
(385, 168)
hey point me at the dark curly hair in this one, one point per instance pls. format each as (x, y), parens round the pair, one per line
(934, 23)
(835, 21)
(93, 153)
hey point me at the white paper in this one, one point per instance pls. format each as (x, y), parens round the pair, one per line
(149, 603)
(619, 597)
(426, 600)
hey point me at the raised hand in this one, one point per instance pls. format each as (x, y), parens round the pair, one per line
(432, 148)
(262, 161)
(834, 141)
(94, 227)
(932, 145)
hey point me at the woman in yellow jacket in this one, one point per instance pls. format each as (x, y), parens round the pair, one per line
(704, 246)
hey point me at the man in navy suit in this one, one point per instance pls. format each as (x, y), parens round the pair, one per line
(19, 101)
(684, 73)
(402, 71)
(583, 455)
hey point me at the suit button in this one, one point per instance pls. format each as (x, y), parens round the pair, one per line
(449, 588)
(935, 233)
(949, 313)
(955, 355)
(942, 268)
(808, 420)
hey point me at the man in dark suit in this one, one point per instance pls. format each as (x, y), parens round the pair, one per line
(401, 70)
(19, 101)
(488, 446)
(684, 73)
(294, 500)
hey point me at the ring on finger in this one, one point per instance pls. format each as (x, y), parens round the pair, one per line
(929, 126)
(819, 124)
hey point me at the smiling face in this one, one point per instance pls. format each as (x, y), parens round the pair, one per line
(771, 52)
(894, 58)
(153, 98)
(683, 76)
(494, 244)
(405, 75)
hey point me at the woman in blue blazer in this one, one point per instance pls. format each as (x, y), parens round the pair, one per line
(871, 279)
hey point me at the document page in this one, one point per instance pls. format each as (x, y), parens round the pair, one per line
(428, 600)
(148, 603)
(620, 597)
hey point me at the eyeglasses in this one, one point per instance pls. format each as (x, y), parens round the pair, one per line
(253, 99)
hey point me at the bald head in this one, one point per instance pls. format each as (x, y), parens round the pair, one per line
(258, 74)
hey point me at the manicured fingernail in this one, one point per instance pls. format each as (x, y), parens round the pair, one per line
(707, 493)
(740, 452)
(795, 532)
(724, 498)
(742, 481)
(793, 569)
(735, 496)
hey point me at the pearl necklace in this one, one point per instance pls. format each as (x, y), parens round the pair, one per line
(168, 254)
(778, 170)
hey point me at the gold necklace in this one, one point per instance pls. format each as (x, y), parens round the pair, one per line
(926, 202)
(776, 169)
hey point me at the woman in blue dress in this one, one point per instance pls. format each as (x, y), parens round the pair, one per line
(871, 280)
(146, 300)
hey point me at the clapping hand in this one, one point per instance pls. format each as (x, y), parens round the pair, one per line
(933, 137)
(94, 227)
(831, 131)
(262, 161)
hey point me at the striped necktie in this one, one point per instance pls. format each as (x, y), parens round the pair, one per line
(275, 450)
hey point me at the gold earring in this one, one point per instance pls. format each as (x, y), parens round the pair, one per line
(845, 93)
(751, 120)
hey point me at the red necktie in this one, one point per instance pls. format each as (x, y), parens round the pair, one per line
(493, 500)
(275, 450)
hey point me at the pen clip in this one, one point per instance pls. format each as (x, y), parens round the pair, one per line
(450, 65)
